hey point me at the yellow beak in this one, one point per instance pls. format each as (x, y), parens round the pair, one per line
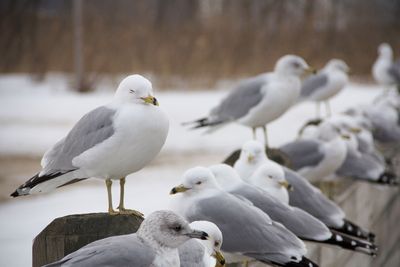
(250, 158)
(286, 185)
(310, 70)
(178, 189)
(355, 130)
(345, 136)
(220, 259)
(150, 100)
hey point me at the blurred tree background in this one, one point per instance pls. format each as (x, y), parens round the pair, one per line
(201, 40)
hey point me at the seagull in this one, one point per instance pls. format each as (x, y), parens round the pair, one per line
(249, 233)
(270, 177)
(259, 100)
(110, 142)
(325, 84)
(203, 253)
(317, 155)
(301, 223)
(154, 244)
(362, 161)
(385, 71)
(304, 195)
(385, 121)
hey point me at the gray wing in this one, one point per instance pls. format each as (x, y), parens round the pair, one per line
(303, 153)
(191, 254)
(312, 84)
(301, 223)
(126, 250)
(394, 71)
(310, 199)
(241, 100)
(362, 166)
(245, 228)
(92, 129)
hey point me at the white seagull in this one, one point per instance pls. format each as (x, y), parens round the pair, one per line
(155, 244)
(325, 84)
(249, 233)
(304, 195)
(110, 142)
(259, 100)
(385, 71)
(301, 223)
(203, 253)
(319, 155)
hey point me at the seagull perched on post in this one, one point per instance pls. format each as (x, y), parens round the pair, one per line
(259, 100)
(155, 244)
(110, 142)
(325, 84)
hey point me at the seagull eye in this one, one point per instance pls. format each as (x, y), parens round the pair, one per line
(216, 243)
(270, 176)
(177, 228)
(296, 64)
(131, 91)
(198, 183)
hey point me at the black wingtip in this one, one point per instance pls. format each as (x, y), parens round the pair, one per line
(305, 262)
(353, 244)
(388, 178)
(15, 194)
(351, 229)
(197, 122)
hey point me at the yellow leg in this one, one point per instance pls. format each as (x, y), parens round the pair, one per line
(318, 109)
(265, 135)
(121, 206)
(328, 109)
(111, 211)
(254, 133)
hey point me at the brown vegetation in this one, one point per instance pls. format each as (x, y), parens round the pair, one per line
(199, 39)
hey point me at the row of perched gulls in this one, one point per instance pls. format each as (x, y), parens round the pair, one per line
(258, 208)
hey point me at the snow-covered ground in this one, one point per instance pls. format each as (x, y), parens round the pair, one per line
(34, 116)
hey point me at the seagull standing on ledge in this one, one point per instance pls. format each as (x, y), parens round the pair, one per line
(326, 84)
(110, 142)
(259, 100)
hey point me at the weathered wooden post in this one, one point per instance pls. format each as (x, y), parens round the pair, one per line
(69, 233)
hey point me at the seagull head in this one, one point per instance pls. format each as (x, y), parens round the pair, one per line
(169, 229)
(327, 131)
(293, 65)
(252, 152)
(338, 65)
(385, 50)
(225, 175)
(136, 89)
(271, 174)
(195, 180)
(214, 241)
(346, 124)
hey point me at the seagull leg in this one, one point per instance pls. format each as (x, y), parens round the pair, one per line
(328, 109)
(111, 211)
(121, 207)
(265, 135)
(318, 109)
(254, 133)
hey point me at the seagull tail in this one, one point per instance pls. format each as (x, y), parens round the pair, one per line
(388, 178)
(195, 122)
(350, 243)
(25, 188)
(200, 123)
(354, 230)
(303, 263)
